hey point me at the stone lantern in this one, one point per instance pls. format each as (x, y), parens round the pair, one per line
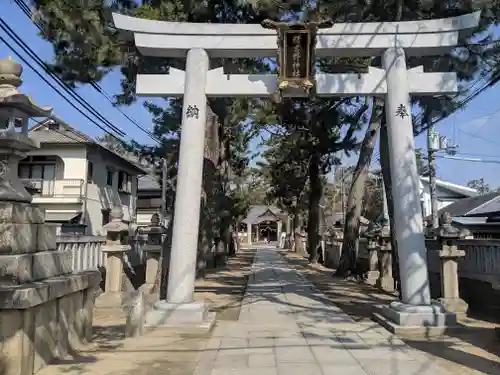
(449, 254)
(15, 111)
(385, 279)
(153, 248)
(117, 244)
(372, 235)
(45, 308)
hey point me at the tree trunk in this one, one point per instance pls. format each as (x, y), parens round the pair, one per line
(386, 175)
(298, 245)
(316, 190)
(349, 257)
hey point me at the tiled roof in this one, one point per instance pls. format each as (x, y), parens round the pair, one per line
(62, 135)
(259, 210)
(65, 134)
(474, 206)
(148, 182)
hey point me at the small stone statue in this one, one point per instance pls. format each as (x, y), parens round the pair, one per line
(446, 228)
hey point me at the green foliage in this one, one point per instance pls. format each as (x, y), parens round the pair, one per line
(480, 185)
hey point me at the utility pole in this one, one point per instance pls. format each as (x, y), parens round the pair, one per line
(385, 208)
(432, 148)
(164, 171)
(342, 198)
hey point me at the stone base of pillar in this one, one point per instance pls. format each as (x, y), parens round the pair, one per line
(193, 316)
(372, 277)
(109, 300)
(385, 283)
(454, 305)
(416, 321)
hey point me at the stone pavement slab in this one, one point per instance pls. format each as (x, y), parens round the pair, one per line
(287, 327)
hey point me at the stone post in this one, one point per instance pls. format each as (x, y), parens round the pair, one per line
(180, 309)
(279, 224)
(249, 233)
(372, 247)
(153, 248)
(385, 279)
(449, 254)
(117, 244)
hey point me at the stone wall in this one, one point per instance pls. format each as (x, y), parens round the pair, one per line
(46, 321)
(45, 308)
(478, 271)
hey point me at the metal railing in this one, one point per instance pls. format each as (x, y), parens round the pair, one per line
(55, 188)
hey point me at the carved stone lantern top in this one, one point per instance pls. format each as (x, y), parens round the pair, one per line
(449, 235)
(385, 229)
(373, 230)
(16, 109)
(117, 232)
(372, 234)
(155, 220)
(447, 231)
(384, 235)
(116, 225)
(11, 98)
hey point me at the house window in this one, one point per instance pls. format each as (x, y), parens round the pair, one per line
(37, 171)
(109, 178)
(90, 172)
(124, 182)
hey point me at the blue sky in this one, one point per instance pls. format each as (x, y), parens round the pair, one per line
(475, 129)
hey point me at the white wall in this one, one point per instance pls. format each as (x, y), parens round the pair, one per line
(98, 195)
(444, 198)
(74, 164)
(101, 196)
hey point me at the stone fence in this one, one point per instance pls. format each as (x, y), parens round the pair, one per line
(87, 251)
(478, 270)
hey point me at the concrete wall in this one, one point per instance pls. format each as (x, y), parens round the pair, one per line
(101, 196)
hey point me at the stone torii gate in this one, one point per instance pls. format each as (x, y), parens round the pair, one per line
(393, 41)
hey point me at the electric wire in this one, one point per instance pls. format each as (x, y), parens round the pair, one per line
(26, 62)
(25, 9)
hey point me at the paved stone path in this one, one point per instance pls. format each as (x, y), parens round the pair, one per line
(287, 327)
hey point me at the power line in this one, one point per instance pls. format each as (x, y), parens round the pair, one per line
(2, 39)
(25, 9)
(13, 35)
(30, 53)
(474, 160)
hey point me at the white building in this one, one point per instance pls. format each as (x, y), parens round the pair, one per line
(447, 193)
(77, 180)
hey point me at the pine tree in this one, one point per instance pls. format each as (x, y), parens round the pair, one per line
(306, 141)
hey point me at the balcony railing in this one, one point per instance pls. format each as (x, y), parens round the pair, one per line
(55, 188)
